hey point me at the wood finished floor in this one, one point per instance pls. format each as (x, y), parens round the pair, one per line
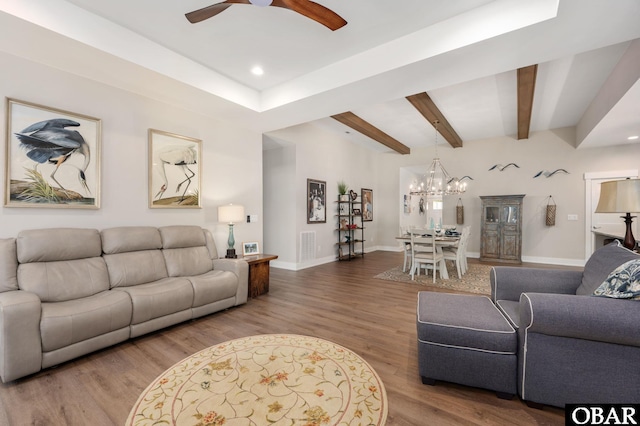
(339, 301)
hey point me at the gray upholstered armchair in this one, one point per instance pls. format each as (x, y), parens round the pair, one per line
(573, 347)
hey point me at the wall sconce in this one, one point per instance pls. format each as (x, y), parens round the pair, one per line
(621, 196)
(231, 213)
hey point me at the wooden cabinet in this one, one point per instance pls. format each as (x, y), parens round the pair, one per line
(501, 228)
(350, 229)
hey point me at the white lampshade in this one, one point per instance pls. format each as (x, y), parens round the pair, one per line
(231, 213)
(619, 196)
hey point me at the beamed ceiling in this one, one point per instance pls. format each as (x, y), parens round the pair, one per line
(480, 68)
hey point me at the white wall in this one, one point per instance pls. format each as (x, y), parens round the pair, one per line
(319, 155)
(231, 163)
(323, 155)
(563, 243)
(280, 232)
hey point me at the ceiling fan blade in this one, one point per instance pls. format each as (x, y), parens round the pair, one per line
(210, 11)
(314, 11)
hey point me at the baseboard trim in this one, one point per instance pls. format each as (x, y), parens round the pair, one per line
(474, 255)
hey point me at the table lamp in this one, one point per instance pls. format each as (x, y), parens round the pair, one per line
(230, 214)
(621, 196)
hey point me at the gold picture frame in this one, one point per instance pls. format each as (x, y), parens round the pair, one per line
(52, 157)
(175, 170)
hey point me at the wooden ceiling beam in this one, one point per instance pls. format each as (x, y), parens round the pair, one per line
(526, 87)
(358, 124)
(425, 105)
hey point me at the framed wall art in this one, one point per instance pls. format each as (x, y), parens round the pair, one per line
(175, 171)
(52, 157)
(367, 205)
(316, 201)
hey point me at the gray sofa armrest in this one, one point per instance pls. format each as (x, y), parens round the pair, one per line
(20, 345)
(241, 269)
(581, 317)
(508, 283)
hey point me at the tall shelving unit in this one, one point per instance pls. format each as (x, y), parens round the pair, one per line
(350, 229)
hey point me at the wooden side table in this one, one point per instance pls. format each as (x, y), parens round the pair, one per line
(259, 273)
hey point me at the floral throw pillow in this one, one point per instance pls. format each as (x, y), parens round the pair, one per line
(622, 283)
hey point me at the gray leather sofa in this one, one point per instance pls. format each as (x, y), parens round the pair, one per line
(66, 292)
(573, 347)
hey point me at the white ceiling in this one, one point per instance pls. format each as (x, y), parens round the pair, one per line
(463, 53)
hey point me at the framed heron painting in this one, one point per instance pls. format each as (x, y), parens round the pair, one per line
(174, 171)
(52, 157)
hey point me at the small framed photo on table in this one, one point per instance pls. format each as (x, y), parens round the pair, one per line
(250, 248)
(356, 212)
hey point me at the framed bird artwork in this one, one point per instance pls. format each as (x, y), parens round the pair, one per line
(174, 170)
(53, 157)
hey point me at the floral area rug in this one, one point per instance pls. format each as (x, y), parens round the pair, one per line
(475, 280)
(271, 379)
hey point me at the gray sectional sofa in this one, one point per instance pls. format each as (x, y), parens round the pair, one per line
(66, 292)
(574, 347)
(546, 335)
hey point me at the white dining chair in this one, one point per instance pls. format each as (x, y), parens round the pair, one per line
(425, 254)
(458, 252)
(406, 248)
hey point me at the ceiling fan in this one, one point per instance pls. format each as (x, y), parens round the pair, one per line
(308, 8)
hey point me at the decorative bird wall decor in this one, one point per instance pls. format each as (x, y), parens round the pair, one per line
(50, 142)
(549, 174)
(502, 168)
(453, 179)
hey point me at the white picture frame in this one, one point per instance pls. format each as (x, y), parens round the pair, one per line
(250, 248)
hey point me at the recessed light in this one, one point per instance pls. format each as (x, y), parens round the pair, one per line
(257, 70)
(633, 138)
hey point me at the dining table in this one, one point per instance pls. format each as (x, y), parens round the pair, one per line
(442, 240)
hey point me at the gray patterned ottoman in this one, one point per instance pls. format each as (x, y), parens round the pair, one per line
(465, 339)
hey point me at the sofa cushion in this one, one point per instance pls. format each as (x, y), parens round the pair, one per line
(185, 250)
(189, 261)
(601, 263)
(511, 311)
(211, 244)
(160, 298)
(463, 321)
(64, 280)
(213, 287)
(623, 282)
(182, 236)
(134, 268)
(130, 238)
(8, 265)
(45, 245)
(65, 323)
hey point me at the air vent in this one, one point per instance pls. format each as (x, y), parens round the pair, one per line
(307, 246)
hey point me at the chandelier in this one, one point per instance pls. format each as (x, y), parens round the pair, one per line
(438, 180)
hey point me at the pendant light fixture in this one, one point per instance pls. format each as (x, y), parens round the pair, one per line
(438, 181)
